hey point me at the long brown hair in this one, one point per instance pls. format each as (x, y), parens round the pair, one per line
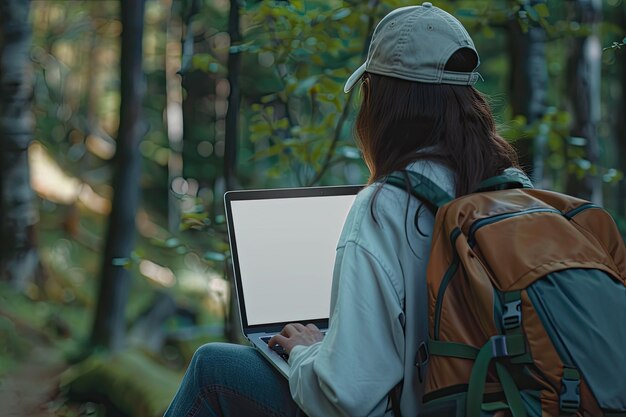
(402, 121)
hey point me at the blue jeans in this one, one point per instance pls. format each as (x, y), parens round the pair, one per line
(225, 380)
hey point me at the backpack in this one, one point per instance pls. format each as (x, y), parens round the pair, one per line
(527, 303)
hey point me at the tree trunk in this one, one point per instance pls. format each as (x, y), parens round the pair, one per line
(584, 73)
(234, 98)
(198, 110)
(109, 323)
(19, 259)
(231, 136)
(528, 89)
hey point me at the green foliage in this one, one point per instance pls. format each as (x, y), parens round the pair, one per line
(311, 46)
(566, 154)
(207, 63)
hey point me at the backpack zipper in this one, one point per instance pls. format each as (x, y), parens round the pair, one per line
(471, 240)
(570, 214)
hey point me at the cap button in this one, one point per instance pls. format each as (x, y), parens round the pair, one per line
(427, 4)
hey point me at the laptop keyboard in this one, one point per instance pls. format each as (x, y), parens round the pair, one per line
(277, 348)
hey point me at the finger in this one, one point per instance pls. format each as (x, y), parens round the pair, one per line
(278, 340)
(292, 328)
(313, 327)
(289, 330)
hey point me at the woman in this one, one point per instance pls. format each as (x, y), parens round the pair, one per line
(419, 112)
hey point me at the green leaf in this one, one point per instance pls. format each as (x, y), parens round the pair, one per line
(269, 151)
(563, 118)
(297, 4)
(261, 129)
(282, 123)
(206, 63)
(532, 13)
(542, 10)
(268, 99)
(198, 215)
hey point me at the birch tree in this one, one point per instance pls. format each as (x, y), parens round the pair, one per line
(529, 85)
(584, 74)
(19, 258)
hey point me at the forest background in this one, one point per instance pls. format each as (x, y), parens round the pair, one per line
(123, 123)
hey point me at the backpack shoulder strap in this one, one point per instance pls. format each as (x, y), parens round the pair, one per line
(510, 178)
(421, 187)
(425, 189)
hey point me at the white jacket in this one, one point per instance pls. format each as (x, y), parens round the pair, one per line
(379, 312)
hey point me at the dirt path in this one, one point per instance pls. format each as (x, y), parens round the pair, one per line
(27, 391)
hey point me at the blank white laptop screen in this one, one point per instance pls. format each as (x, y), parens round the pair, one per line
(286, 251)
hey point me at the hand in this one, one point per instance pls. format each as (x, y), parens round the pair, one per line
(296, 334)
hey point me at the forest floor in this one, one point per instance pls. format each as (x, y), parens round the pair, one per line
(32, 388)
(38, 378)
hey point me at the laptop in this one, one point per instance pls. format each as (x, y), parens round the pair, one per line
(283, 244)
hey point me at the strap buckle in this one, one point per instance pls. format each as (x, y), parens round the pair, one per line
(498, 346)
(569, 397)
(421, 360)
(512, 315)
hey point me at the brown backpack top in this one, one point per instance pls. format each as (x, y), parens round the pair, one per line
(527, 303)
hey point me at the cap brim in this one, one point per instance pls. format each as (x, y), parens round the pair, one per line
(354, 79)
